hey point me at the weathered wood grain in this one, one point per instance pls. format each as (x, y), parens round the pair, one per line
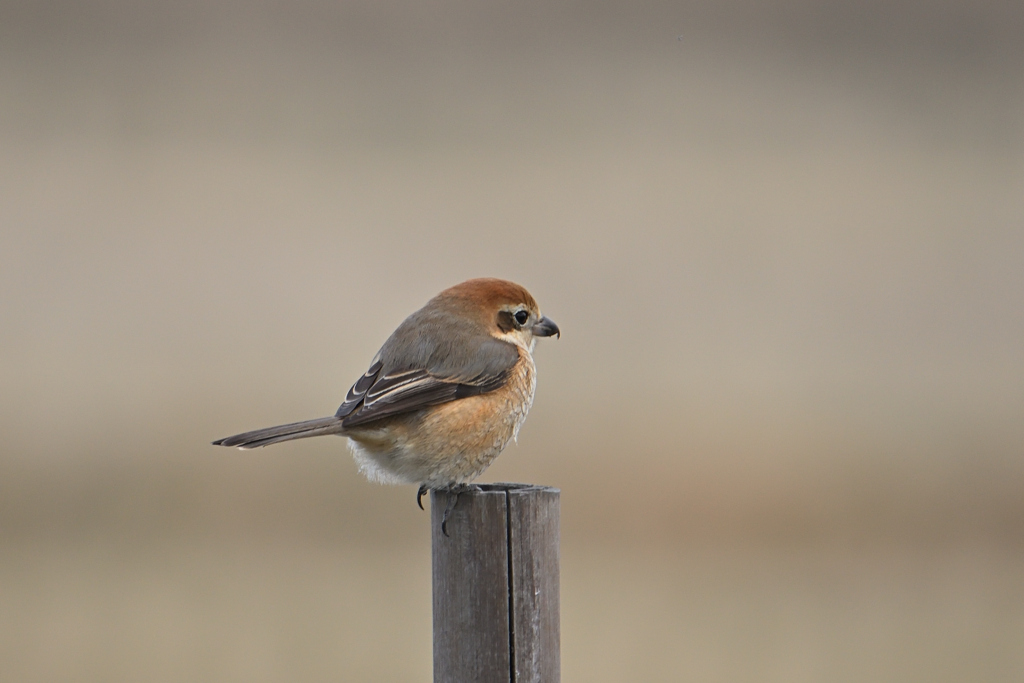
(496, 591)
(534, 516)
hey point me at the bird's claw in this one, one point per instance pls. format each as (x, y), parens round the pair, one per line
(419, 495)
(454, 491)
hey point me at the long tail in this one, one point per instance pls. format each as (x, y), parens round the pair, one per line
(295, 430)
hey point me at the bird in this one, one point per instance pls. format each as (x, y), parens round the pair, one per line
(442, 397)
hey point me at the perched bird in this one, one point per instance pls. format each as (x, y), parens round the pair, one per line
(444, 395)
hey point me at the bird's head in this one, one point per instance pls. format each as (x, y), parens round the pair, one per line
(507, 310)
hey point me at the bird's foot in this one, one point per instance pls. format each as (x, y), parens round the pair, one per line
(419, 494)
(454, 491)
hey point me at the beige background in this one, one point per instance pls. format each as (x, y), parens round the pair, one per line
(785, 246)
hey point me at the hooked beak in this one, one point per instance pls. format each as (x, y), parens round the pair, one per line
(545, 328)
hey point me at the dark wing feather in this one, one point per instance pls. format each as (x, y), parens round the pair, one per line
(391, 386)
(427, 391)
(358, 391)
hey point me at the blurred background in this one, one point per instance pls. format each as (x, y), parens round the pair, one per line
(784, 243)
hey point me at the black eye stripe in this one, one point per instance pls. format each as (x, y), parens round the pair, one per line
(506, 323)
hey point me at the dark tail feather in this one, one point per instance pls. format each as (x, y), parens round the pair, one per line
(295, 430)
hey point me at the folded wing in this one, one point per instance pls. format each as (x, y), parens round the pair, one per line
(385, 391)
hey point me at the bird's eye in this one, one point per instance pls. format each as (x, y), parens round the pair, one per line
(522, 317)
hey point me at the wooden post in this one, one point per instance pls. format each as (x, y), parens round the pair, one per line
(496, 586)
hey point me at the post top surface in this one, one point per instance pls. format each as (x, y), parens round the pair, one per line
(508, 487)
